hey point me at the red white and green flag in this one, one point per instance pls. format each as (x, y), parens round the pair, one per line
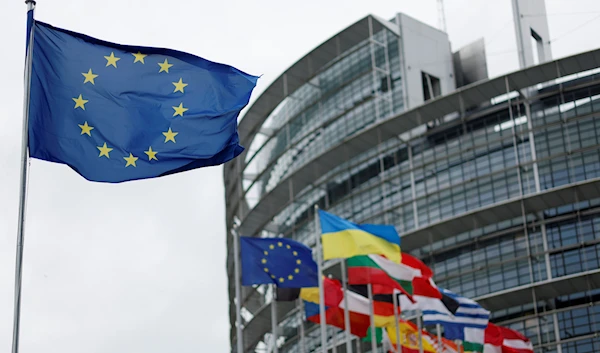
(383, 274)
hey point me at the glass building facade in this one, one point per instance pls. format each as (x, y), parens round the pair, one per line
(495, 186)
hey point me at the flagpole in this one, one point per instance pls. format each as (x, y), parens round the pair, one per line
(397, 319)
(322, 317)
(420, 328)
(438, 329)
(23, 189)
(334, 342)
(302, 319)
(238, 293)
(274, 318)
(346, 311)
(372, 315)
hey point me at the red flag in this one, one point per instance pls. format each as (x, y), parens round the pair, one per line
(359, 323)
(510, 341)
(415, 263)
(425, 288)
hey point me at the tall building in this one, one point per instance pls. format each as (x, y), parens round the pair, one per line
(494, 183)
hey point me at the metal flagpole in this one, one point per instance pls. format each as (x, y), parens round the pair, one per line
(420, 328)
(274, 318)
(438, 329)
(238, 293)
(358, 345)
(346, 311)
(372, 315)
(302, 342)
(397, 319)
(322, 317)
(334, 342)
(23, 191)
(459, 345)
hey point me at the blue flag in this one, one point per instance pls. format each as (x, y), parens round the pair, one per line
(283, 262)
(115, 113)
(467, 324)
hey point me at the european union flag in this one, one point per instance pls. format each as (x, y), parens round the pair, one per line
(116, 112)
(283, 262)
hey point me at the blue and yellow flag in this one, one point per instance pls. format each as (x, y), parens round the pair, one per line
(283, 262)
(344, 239)
(115, 113)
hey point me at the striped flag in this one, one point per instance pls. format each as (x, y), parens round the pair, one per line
(427, 296)
(385, 275)
(468, 323)
(500, 339)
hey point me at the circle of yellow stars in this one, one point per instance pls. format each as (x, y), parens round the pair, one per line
(264, 261)
(86, 129)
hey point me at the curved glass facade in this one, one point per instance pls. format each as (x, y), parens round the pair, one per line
(544, 141)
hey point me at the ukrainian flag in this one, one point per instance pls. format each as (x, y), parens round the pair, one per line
(343, 239)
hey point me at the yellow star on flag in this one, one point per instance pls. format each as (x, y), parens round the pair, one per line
(86, 129)
(139, 57)
(170, 135)
(89, 77)
(179, 86)
(180, 110)
(104, 151)
(130, 160)
(164, 66)
(151, 154)
(79, 102)
(112, 59)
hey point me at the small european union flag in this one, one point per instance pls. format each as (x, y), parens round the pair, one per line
(283, 262)
(115, 113)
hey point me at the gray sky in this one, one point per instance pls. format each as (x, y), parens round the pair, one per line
(140, 266)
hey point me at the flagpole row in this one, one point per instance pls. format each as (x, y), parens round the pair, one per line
(420, 329)
(274, 318)
(238, 293)
(396, 320)
(372, 314)
(322, 316)
(24, 179)
(346, 311)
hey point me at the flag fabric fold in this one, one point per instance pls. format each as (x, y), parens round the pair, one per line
(445, 346)
(386, 275)
(499, 339)
(357, 303)
(467, 324)
(359, 323)
(408, 340)
(116, 113)
(333, 293)
(280, 261)
(343, 239)
(427, 296)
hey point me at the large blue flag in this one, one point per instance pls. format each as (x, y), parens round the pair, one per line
(115, 112)
(283, 262)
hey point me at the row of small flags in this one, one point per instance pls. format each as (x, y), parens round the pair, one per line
(398, 280)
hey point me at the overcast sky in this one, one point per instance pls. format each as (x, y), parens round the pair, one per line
(140, 266)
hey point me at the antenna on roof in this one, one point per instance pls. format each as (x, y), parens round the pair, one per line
(441, 15)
